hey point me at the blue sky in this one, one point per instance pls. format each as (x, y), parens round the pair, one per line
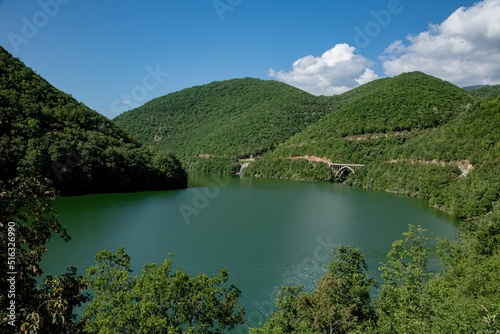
(114, 55)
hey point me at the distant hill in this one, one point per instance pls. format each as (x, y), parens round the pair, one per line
(472, 88)
(47, 134)
(383, 110)
(416, 135)
(210, 126)
(488, 91)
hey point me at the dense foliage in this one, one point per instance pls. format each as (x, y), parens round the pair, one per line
(465, 298)
(293, 169)
(27, 223)
(375, 116)
(210, 127)
(456, 166)
(45, 133)
(158, 301)
(340, 304)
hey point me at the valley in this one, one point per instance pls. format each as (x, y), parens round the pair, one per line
(313, 165)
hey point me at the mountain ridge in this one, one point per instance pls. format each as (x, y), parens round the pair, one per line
(211, 126)
(45, 133)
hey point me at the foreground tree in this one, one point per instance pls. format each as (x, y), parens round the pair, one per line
(467, 295)
(404, 305)
(158, 301)
(340, 304)
(28, 223)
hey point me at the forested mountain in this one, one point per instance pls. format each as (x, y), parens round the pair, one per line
(456, 165)
(209, 127)
(386, 109)
(472, 88)
(416, 134)
(482, 92)
(46, 133)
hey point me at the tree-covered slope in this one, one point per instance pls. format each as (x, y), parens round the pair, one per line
(209, 127)
(456, 166)
(385, 108)
(482, 92)
(427, 138)
(372, 119)
(47, 134)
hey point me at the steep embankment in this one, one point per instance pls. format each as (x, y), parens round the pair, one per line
(47, 134)
(210, 127)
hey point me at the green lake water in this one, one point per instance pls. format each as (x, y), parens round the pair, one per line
(267, 233)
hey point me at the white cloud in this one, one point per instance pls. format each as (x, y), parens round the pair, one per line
(336, 71)
(464, 49)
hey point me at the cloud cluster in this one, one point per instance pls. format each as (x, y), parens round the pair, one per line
(464, 49)
(334, 72)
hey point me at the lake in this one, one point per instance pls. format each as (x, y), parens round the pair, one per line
(267, 233)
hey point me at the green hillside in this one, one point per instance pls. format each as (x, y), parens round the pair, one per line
(456, 166)
(472, 88)
(209, 127)
(417, 135)
(373, 118)
(387, 108)
(46, 133)
(482, 92)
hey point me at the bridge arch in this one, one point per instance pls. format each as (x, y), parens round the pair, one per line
(343, 171)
